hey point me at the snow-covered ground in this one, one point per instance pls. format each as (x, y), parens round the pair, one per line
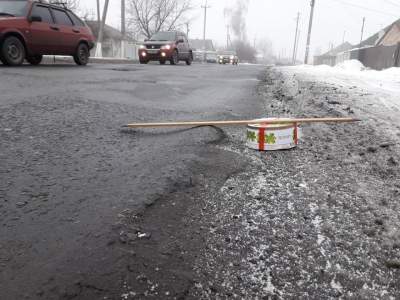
(353, 73)
(321, 221)
(374, 95)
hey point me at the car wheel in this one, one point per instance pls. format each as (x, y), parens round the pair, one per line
(189, 60)
(35, 59)
(82, 55)
(13, 51)
(162, 62)
(143, 62)
(175, 58)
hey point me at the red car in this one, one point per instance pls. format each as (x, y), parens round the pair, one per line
(172, 46)
(30, 29)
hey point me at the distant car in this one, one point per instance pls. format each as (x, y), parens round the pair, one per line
(228, 58)
(172, 46)
(234, 60)
(30, 29)
(212, 58)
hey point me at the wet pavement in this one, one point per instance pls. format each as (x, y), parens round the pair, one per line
(90, 210)
(72, 181)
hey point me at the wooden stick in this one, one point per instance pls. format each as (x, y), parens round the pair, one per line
(243, 122)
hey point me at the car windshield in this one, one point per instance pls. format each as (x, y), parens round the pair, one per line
(13, 8)
(163, 36)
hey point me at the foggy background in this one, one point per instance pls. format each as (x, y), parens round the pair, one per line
(261, 20)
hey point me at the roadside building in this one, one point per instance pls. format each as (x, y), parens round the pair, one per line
(391, 36)
(114, 45)
(379, 51)
(330, 58)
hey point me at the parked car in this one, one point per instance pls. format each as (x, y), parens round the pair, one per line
(30, 29)
(172, 46)
(228, 57)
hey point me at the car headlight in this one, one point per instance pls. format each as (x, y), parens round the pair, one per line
(142, 47)
(166, 47)
(232, 57)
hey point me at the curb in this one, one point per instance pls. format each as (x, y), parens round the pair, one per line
(50, 59)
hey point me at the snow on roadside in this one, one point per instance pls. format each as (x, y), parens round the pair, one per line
(368, 94)
(353, 73)
(319, 222)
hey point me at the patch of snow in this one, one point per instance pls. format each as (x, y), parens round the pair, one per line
(303, 185)
(259, 183)
(352, 73)
(317, 221)
(351, 66)
(270, 288)
(336, 285)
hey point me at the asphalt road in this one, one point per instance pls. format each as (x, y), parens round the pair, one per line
(72, 182)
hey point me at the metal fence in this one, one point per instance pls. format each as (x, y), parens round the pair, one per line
(378, 57)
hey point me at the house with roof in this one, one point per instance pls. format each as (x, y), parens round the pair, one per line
(381, 50)
(114, 44)
(330, 58)
(112, 39)
(388, 36)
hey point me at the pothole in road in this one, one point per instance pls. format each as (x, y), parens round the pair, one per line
(124, 70)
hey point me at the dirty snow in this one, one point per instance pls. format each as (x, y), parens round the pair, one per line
(321, 221)
(353, 73)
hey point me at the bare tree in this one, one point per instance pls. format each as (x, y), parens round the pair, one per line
(245, 51)
(151, 16)
(70, 4)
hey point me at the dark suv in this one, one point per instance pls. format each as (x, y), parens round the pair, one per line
(30, 29)
(166, 45)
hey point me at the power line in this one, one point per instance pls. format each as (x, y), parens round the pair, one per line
(352, 16)
(392, 3)
(366, 8)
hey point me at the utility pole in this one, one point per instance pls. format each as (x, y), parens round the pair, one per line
(204, 31)
(228, 37)
(99, 50)
(344, 37)
(123, 23)
(295, 39)
(362, 31)
(309, 31)
(187, 29)
(297, 46)
(123, 29)
(98, 11)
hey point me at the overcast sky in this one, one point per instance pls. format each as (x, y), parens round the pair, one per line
(275, 20)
